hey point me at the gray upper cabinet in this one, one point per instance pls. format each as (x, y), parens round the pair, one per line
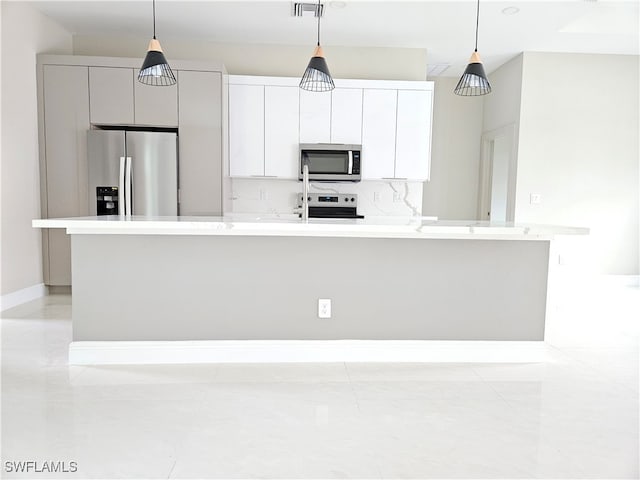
(111, 95)
(200, 142)
(65, 98)
(76, 93)
(157, 106)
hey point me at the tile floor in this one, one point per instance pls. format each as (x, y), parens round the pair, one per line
(575, 416)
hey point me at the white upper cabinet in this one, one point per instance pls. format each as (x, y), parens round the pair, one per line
(413, 134)
(378, 133)
(270, 116)
(111, 95)
(246, 130)
(281, 123)
(315, 117)
(346, 115)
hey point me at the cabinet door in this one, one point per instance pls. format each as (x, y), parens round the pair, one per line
(281, 120)
(413, 134)
(346, 115)
(66, 122)
(200, 142)
(378, 133)
(157, 106)
(111, 95)
(246, 130)
(315, 117)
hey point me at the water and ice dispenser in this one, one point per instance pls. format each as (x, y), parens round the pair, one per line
(107, 200)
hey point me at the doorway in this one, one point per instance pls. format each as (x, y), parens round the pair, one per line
(496, 192)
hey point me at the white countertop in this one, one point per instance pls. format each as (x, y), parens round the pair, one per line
(291, 225)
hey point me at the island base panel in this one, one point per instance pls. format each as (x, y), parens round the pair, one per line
(173, 287)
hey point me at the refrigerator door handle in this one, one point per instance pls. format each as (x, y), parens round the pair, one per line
(128, 186)
(121, 187)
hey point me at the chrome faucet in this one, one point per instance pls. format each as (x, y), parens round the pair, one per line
(305, 192)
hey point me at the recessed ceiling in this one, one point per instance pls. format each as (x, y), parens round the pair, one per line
(446, 29)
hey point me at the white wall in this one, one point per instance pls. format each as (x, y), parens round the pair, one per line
(275, 60)
(500, 127)
(502, 105)
(451, 194)
(578, 148)
(25, 32)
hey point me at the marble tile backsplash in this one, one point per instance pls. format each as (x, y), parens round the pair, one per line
(375, 198)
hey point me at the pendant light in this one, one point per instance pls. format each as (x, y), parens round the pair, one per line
(474, 81)
(316, 77)
(155, 69)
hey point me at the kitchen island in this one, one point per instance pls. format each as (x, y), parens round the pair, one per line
(188, 289)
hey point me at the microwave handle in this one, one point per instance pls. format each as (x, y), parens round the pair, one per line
(350, 170)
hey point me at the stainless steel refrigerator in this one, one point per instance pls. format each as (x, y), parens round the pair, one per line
(133, 173)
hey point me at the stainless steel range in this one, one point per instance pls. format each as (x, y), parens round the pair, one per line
(332, 205)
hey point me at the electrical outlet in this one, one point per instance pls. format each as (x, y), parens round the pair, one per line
(376, 196)
(535, 199)
(263, 194)
(397, 197)
(324, 308)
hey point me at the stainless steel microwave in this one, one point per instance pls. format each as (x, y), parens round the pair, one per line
(331, 162)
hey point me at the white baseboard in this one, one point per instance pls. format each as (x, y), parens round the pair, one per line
(285, 351)
(19, 297)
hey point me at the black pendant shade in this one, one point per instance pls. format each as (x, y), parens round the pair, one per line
(474, 81)
(316, 77)
(155, 69)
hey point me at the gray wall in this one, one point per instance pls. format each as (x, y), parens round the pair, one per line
(25, 33)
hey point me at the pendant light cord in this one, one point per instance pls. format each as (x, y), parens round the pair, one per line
(477, 23)
(319, 12)
(154, 20)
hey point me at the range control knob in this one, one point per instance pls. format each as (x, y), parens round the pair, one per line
(353, 199)
(346, 199)
(309, 198)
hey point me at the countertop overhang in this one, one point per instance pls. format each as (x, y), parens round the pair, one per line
(291, 226)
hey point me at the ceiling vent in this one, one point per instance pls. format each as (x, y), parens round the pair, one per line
(436, 69)
(307, 9)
